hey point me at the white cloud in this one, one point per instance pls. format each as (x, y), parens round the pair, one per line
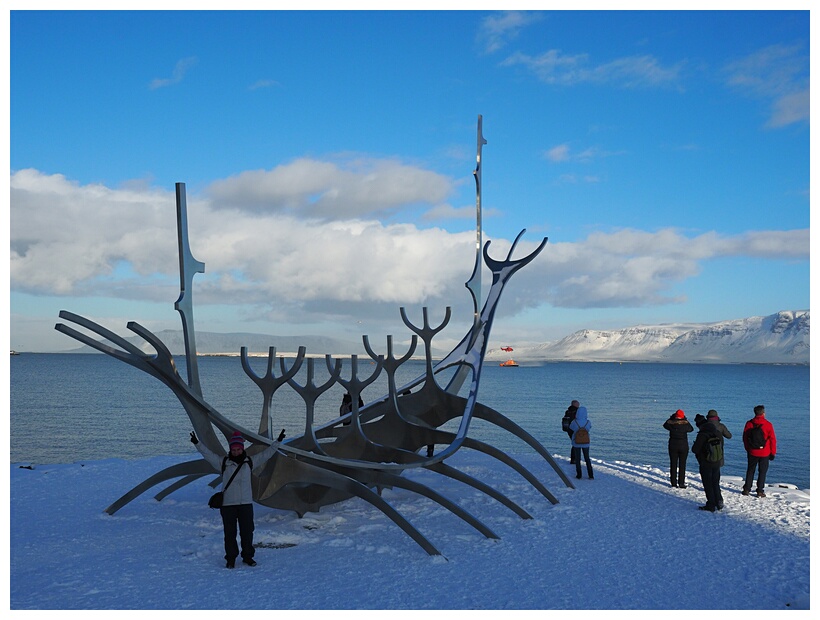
(320, 189)
(180, 69)
(499, 29)
(558, 153)
(553, 67)
(563, 153)
(263, 84)
(74, 240)
(778, 73)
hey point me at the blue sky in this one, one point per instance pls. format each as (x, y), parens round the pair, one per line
(328, 161)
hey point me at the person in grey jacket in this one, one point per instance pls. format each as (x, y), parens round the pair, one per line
(237, 501)
(712, 416)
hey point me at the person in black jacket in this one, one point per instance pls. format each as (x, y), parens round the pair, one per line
(569, 416)
(709, 471)
(678, 427)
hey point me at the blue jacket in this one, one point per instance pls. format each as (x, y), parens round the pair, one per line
(581, 421)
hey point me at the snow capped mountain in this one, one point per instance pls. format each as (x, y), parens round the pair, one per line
(781, 338)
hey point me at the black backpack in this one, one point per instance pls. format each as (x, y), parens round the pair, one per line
(755, 437)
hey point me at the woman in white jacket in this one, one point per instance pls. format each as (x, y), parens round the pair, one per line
(237, 501)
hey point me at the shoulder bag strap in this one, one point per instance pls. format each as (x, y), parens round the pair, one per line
(232, 475)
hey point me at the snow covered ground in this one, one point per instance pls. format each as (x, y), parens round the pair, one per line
(625, 540)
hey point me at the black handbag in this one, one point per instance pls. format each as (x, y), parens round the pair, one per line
(215, 500)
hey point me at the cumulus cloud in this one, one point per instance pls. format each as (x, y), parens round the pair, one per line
(70, 239)
(321, 189)
(180, 69)
(634, 268)
(498, 30)
(778, 73)
(554, 67)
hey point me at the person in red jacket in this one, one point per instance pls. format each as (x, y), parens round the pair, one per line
(758, 452)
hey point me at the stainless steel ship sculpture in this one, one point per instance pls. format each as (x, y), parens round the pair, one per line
(366, 450)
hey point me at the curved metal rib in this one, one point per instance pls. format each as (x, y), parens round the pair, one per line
(188, 468)
(386, 479)
(452, 472)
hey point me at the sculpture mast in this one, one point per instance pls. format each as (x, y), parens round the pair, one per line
(188, 266)
(474, 283)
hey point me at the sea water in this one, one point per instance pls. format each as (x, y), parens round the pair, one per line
(75, 407)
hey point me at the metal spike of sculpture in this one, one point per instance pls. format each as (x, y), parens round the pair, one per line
(366, 450)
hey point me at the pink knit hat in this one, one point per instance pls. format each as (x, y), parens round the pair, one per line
(236, 438)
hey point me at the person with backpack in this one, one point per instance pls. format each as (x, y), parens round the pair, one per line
(569, 416)
(708, 448)
(712, 416)
(761, 446)
(580, 428)
(679, 428)
(237, 493)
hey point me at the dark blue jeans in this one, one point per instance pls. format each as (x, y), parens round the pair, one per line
(243, 515)
(710, 475)
(762, 464)
(576, 454)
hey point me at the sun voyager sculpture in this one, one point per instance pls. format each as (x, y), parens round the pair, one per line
(366, 450)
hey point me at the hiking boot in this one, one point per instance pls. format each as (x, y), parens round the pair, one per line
(675, 484)
(681, 486)
(579, 476)
(591, 477)
(230, 564)
(709, 508)
(744, 492)
(249, 561)
(761, 494)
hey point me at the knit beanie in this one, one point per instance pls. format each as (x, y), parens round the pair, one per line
(575, 403)
(699, 420)
(236, 438)
(680, 414)
(712, 414)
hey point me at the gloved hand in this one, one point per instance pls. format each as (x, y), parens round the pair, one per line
(771, 457)
(194, 440)
(281, 435)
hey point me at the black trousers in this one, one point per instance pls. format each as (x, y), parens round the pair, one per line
(762, 464)
(677, 464)
(243, 515)
(710, 475)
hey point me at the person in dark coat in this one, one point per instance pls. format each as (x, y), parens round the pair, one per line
(709, 472)
(569, 416)
(757, 457)
(712, 416)
(678, 427)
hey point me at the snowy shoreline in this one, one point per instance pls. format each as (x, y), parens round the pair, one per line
(643, 545)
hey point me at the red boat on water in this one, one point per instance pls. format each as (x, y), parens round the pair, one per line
(510, 363)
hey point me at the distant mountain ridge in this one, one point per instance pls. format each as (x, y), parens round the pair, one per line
(781, 338)
(212, 343)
